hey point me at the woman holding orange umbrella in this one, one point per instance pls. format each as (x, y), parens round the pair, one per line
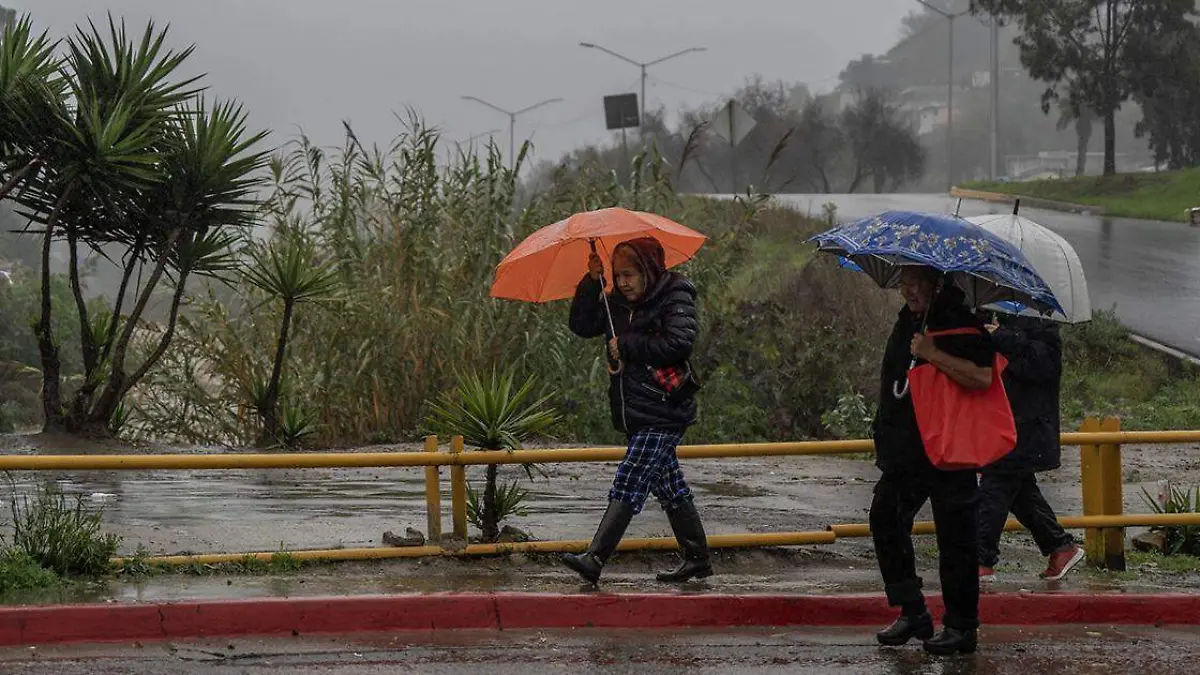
(649, 333)
(648, 321)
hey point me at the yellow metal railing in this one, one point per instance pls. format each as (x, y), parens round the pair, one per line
(1100, 444)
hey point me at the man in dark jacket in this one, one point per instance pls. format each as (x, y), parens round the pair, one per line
(1032, 380)
(651, 396)
(932, 305)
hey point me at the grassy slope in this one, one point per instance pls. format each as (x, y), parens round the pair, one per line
(1156, 196)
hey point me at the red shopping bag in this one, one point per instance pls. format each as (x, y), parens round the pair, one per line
(962, 428)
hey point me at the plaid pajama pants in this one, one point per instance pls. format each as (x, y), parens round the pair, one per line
(650, 466)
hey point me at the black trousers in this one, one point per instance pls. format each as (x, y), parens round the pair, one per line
(954, 496)
(1018, 493)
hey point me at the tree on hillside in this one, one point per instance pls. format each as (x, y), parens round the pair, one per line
(798, 143)
(1073, 111)
(881, 146)
(924, 18)
(1082, 47)
(821, 142)
(1170, 97)
(868, 72)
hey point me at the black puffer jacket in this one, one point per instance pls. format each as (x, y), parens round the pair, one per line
(1032, 380)
(657, 332)
(898, 445)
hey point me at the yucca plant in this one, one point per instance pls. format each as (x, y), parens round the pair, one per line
(493, 413)
(287, 270)
(30, 87)
(295, 425)
(117, 151)
(509, 498)
(1178, 539)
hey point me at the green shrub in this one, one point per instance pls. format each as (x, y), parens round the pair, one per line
(19, 571)
(60, 536)
(852, 418)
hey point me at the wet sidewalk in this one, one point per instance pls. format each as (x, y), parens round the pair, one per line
(850, 569)
(1097, 650)
(172, 512)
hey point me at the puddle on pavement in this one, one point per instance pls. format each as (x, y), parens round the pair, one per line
(730, 489)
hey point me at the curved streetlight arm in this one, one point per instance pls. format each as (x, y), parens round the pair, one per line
(493, 107)
(610, 52)
(537, 105)
(689, 50)
(944, 13)
(936, 10)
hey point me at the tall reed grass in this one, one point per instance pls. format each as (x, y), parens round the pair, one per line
(415, 243)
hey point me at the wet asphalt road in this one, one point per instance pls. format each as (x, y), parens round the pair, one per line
(1092, 650)
(1149, 270)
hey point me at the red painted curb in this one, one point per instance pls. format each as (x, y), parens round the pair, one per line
(510, 611)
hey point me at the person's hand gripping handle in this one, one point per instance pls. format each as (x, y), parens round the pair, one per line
(596, 271)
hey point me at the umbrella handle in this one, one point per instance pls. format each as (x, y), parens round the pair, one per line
(899, 392)
(617, 369)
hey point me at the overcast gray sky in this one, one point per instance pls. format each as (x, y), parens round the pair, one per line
(302, 63)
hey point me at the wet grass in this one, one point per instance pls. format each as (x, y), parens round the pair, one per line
(1154, 196)
(1163, 563)
(1106, 374)
(20, 572)
(280, 563)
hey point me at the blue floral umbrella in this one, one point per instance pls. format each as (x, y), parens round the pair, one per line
(987, 268)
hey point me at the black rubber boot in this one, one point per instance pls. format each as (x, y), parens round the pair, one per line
(612, 527)
(689, 532)
(906, 628)
(953, 641)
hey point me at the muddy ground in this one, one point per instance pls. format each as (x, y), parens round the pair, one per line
(169, 512)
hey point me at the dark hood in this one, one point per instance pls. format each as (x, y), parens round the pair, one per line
(650, 258)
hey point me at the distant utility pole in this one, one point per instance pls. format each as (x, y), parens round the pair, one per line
(643, 67)
(995, 140)
(950, 17)
(512, 123)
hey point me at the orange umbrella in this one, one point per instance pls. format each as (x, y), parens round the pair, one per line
(550, 262)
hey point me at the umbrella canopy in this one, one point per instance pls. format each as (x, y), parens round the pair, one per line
(1054, 260)
(987, 268)
(550, 262)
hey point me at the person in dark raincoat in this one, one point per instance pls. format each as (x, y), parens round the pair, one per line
(652, 397)
(932, 304)
(1032, 380)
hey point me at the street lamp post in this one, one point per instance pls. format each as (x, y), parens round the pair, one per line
(950, 17)
(643, 67)
(512, 122)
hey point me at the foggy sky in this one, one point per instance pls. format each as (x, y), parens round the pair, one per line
(306, 64)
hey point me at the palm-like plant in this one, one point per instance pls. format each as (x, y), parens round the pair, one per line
(492, 414)
(116, 150)
(185, 225)
(288, 270)
(29, 87)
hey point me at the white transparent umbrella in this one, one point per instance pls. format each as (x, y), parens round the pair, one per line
(1053, 259)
